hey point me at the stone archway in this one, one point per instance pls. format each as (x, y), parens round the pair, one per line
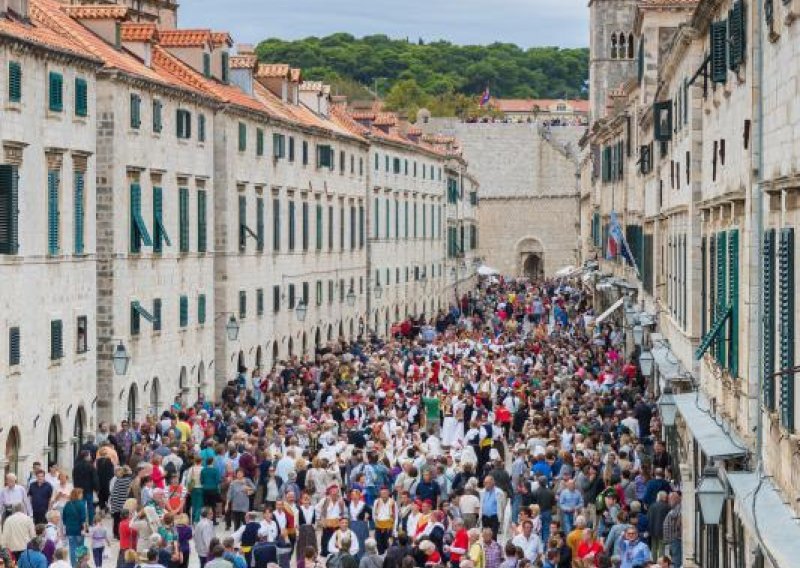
(530, 258)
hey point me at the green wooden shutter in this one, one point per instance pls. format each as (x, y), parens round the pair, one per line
(14, 82)
(52, 212)
(259, 142)
(733, 300)
(81, 97)
(56, 339)
(79, 212)
(201, 127)
(276, 224)
(183, 218)
(292, 222)
(135, 319)
(225, 67)
(242, 304)
(376, 231)
(201, 309)
(242, 222)
(719, 51)
(202, 223)
(319, 227)
(768, 261)
(722, 295)
(183, 311)
(276, 299)
(260, 302)
(13, 346)
(305, 225)
(242, 137)
(9, 210)
(736, 35)
(158, 123)
(136, 111)
(55, 91)
(260, 224)
(158, 206)
(157, 314)
(207, 64)
(786, 303)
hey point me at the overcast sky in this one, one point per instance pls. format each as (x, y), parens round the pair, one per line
(527, 23)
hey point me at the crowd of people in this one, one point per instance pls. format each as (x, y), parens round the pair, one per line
(508, 432)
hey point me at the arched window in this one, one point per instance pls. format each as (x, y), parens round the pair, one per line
(53, 441)
(630, 46)
(155, 393)
(613, 46)
(133, 403)
(622, 48)
(275, 352)
(13, 443)
(291, 346)
(78, 432)
(201, 380)
(258, 358)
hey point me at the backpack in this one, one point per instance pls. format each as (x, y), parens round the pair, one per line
(334, 561)
(170, 469)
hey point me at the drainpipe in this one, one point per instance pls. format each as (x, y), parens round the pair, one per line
(755, 381)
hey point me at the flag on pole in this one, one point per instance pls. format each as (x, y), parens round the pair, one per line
(618, 244)
(485, 97)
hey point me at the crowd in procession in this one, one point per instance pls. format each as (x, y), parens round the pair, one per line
(511, 432)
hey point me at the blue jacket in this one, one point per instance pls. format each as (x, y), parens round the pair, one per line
(74, 517)
(32, 559)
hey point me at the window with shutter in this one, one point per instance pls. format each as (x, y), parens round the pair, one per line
(733, 300)
(291, 296)
(260, 224)
(276, 299)
(56, 340)
(786, 329)
(55, 91)
(722, 295)
(305, 225)
(82, 334)
(319, 228)
(81, 97)
(242, 304)
(201, 128)
(376, 228)
(183, 311)
(242, 137)
(305, 153)
(719, 51)
(139, 233)
(14, 82)
(14, 353)
(305, 293)
(319, 292)
(53, 182)
(640, 62)
(136, 111)
(202, 223)
(292, 221)
(157, 121)
(78, 211)
(183, 124)
(388, 217)
(276, 225)
(201, 309)
(242, 223)
(260, 302)
(361, 229)
(768, 264)
(183, 218)
(259, 142)
(736, 35)
(226, 66)
(291, 148)
(330, 227)
(157, 314)
(207, 64)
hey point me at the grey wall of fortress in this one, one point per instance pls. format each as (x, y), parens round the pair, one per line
(528, 190)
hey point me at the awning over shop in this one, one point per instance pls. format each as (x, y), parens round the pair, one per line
(615, 306)
(668, 365)
(775, 520)
(713, 440)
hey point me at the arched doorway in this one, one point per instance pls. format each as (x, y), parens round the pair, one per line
(352, 329)
(275, 352)
(53, 441)
(240, 368)
(304, 352)
(341, 330)
(330, 332)
(291, 346)
(318, 339)
(258, 358)
(397, 314)
(13, 444)
(78, 432)
(133, 403)
(155, 392)
(530, 255)
(387, 323)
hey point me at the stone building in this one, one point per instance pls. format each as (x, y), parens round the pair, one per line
(692, 152)
(47, 241)
(528, 191)
(561, 111)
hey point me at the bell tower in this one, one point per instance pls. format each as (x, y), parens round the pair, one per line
(612, 50)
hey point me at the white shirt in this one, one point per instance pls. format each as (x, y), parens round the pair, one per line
(531, 546)
(333, 544)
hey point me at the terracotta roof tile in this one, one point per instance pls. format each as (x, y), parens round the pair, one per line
(185, 38)
(218, 39)
(386, 119)
(40, 35)
(138, 32)
(363, 115)
(271, 70)
(529, 105)
(93, 12)
(315, 86)
(667, 3)
(243, 61)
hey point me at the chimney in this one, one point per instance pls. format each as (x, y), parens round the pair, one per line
(275, 78)
(17, 9)
(138, 38)
(192, 47)
(221, 44)
(295, 78)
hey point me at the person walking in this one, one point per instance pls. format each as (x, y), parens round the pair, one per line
(76, 522)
